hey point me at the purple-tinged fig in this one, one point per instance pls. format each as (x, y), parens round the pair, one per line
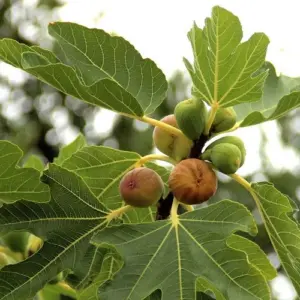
(177, 147)
(141, 187)
(193, 181)
(224, 120)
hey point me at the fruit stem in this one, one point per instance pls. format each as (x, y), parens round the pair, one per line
(243, 182)
(187, 207)
(211, 117)
(114, 214)
(162, 125)
(150, 157)
(66, 287)
(174, 215)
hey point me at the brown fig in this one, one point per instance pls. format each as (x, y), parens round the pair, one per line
(141, 187)
(177, 147)
(193, 181)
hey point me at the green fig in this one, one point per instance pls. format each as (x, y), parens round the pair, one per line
(193, 181)
(17, 241)
(191, 117)
(225, 157)
(141, 187)
(224, 120)
(177, 147)
(231, 140)
(5, 260)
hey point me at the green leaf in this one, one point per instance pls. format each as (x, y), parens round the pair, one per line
(171, 254)
(68, 150)
(284, 232)
(224, 68)
(34, 162)
(19, 183)
(96, 55)
(277, 100)
(102, 168)
(255, 255)
(104, 93)
(109, 73)
(103, 270)
(66, 225)
(44, 65)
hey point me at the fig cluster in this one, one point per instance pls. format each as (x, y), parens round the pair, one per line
(193, 179)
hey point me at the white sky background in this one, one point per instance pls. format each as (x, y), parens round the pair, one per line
(158, 29)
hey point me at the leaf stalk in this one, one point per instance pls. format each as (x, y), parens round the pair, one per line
(114, 214)
(150, 157)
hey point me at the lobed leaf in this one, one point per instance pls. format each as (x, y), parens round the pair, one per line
(181, 250)
(225, 70)
(284, 232)
(279, 97)
(66, 225)
(34, 162)
(108, 266)
(109, 72)
(19, 183)
(68, 150)
(96, 55)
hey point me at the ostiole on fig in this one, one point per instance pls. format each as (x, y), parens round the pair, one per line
(141, 187)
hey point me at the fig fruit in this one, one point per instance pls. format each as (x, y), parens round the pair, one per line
(177, 147)
(225, 157)
(141, 187)
(193, 181)
(16, 241)
(231, 140)
(224, 120)
(191, 117)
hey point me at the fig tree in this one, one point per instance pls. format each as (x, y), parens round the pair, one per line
(193, 181)
(224, 120)
(177, 147)
(225, 157)
(231, 140)
(191, 117)
(141, 187)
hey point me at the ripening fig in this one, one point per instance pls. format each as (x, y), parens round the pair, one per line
(16, 241)
(224, 120)
(191, 117)
(231, 140)
(141, 187)
(192, 181)
(225, 157)
(177, 147)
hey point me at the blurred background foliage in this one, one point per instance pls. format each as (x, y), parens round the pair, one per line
(40, 120)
